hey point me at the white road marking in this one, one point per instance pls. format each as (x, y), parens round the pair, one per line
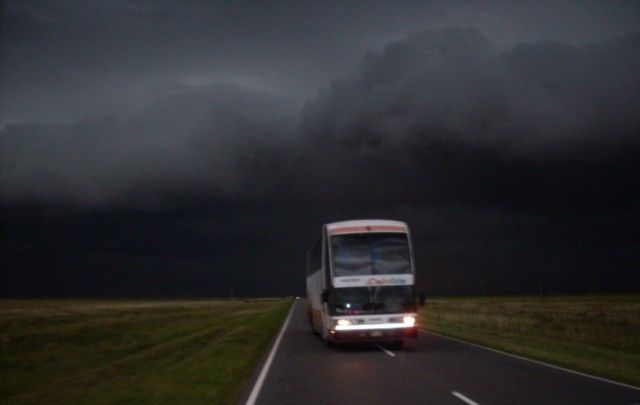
(390, 353)
(463, 398)
(267, 364)
(532, 360)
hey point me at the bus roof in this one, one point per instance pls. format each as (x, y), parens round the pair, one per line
(366, 225)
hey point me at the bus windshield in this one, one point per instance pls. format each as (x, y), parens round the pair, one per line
(370, 254)
(373, 300)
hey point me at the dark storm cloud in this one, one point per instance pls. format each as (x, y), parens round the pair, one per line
(445, 117)
(189, 141)
(504, 158)
(439, 117)
(66, 59)
(442, 117)
(455, 85)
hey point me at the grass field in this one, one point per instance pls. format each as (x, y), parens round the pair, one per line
(599, 335)
(132, 351)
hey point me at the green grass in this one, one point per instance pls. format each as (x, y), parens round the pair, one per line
(599, 335)
(132, 351)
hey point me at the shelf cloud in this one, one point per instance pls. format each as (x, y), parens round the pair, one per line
(504, 156)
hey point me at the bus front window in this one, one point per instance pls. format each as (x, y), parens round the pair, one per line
(370, 254)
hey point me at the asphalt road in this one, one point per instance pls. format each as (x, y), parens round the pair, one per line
(429, 370)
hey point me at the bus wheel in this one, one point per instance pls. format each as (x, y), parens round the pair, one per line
(330, 343)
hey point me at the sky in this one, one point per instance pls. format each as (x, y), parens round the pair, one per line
(194, 149)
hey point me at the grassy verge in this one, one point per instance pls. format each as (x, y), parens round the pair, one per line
(132, 351)
(599, 335)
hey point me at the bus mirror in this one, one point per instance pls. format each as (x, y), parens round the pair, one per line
(325, 295)
(421, 299)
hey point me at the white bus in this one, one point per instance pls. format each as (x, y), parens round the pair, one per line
(360, 282)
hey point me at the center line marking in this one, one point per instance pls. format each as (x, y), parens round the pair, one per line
(392, 354)
(463, 398)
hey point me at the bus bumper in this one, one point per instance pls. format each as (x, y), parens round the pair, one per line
(375, 335)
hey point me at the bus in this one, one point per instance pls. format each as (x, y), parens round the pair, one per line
(360, 282)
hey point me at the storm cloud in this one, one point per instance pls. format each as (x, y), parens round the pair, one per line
(515, 164)
(455, 85)
(445, 117)
(438, 116)
(190, 139)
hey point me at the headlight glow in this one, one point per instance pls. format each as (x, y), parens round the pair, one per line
(343, 322)
(409, 320)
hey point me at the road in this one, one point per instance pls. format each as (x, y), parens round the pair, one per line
(431, 370)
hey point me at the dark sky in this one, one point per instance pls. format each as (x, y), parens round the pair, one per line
(170, 148)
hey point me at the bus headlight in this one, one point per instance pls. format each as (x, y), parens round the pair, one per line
(409, 320)
(343, 322)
